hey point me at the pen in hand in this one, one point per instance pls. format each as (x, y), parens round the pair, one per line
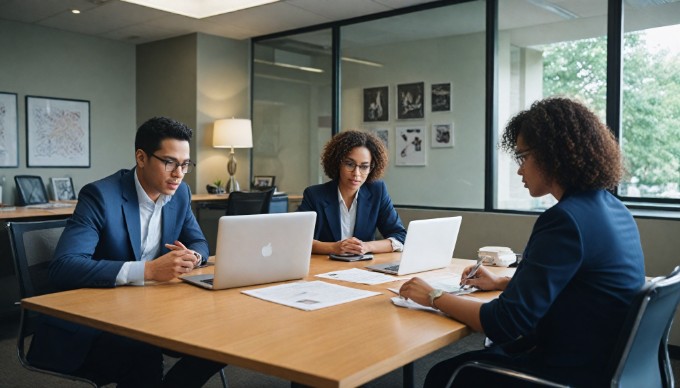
(473, 271)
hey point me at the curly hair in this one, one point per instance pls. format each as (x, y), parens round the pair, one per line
(569, 143)
(337, 149)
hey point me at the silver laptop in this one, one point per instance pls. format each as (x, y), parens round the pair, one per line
(429, 245)
(261, 248)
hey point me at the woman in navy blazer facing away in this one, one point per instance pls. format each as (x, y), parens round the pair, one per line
(560, 315)
(355, 202)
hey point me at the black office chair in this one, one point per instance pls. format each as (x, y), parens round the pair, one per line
(32, 245)
(640, 358)
(244, 203)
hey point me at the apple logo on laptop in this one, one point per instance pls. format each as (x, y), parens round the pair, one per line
(267, 250)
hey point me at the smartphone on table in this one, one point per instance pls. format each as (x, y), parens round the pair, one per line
(350, 256)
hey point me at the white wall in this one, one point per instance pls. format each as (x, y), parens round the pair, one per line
(51, 63)
(222, 91)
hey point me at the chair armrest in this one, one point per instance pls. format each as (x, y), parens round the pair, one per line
(492, 368)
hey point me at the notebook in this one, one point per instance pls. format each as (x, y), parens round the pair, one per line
(258, 249)
(429, 245)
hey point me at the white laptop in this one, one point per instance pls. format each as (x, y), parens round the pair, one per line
(260, 248)
(429, 245)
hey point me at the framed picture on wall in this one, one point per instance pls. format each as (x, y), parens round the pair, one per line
(382, 134)
(57, 132)
(9, 130)
(441, 97)
(263, 182)
(376, 104)
(62, 189)
(442, 135)
(410, 146)
(411, 101)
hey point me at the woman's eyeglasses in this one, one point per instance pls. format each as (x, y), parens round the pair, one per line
(350, 166)
(521, 157)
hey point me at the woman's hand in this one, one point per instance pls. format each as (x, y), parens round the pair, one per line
(482, 279)
(417, 290)
(351, 245)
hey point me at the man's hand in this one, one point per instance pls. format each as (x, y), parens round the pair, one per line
(177, 262)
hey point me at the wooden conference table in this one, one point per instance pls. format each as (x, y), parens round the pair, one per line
(28, 213)
(340, 346)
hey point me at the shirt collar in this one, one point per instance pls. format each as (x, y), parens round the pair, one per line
(144, 199)
(341, 201)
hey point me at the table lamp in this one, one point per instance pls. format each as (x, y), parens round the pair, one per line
(232, 133)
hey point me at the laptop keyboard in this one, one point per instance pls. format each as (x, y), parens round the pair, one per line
(207, 281)
(394, 268)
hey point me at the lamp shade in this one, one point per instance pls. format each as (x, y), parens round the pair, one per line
(235, 133)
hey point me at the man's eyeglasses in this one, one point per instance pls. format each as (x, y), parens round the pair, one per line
(520, 157)
(350, 166)
(171, 165)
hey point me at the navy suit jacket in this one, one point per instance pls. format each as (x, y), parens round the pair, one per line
(374, 210)
(571, 292)
(103, 233)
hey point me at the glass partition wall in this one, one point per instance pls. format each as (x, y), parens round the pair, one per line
(292, 89)
(420, 80)
(426, 73)
(546, 49)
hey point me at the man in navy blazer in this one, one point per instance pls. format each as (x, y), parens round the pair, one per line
(128, 228)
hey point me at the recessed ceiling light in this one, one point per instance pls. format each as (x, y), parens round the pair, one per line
(75, 11)
(200, 9)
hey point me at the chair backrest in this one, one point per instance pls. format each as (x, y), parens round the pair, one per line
(244, 203)
(641, 356)
(32, 245)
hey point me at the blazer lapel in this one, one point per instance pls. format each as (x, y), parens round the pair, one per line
(131, 213)
(332, 210)
(169, 223)
(363, 210)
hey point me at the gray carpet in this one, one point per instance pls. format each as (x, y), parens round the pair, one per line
(14, 375)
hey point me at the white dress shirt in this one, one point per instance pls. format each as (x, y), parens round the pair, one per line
(348, 219)
(150, 218)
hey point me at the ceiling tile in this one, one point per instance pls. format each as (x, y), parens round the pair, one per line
(31, 11)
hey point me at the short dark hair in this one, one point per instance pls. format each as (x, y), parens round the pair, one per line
(150, 134)
(337, 149)
(569, 143)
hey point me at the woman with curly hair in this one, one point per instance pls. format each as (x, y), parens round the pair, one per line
(355, 202)
(560, 315)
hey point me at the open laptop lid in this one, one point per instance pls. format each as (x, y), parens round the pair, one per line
(429, 245)
(261, 248)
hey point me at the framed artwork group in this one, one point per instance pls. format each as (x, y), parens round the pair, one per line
(410, 101)
(410, 104)
(57, 132)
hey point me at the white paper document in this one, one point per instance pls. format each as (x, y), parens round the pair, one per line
(356, 275)
(309, 296)
(409, 304)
